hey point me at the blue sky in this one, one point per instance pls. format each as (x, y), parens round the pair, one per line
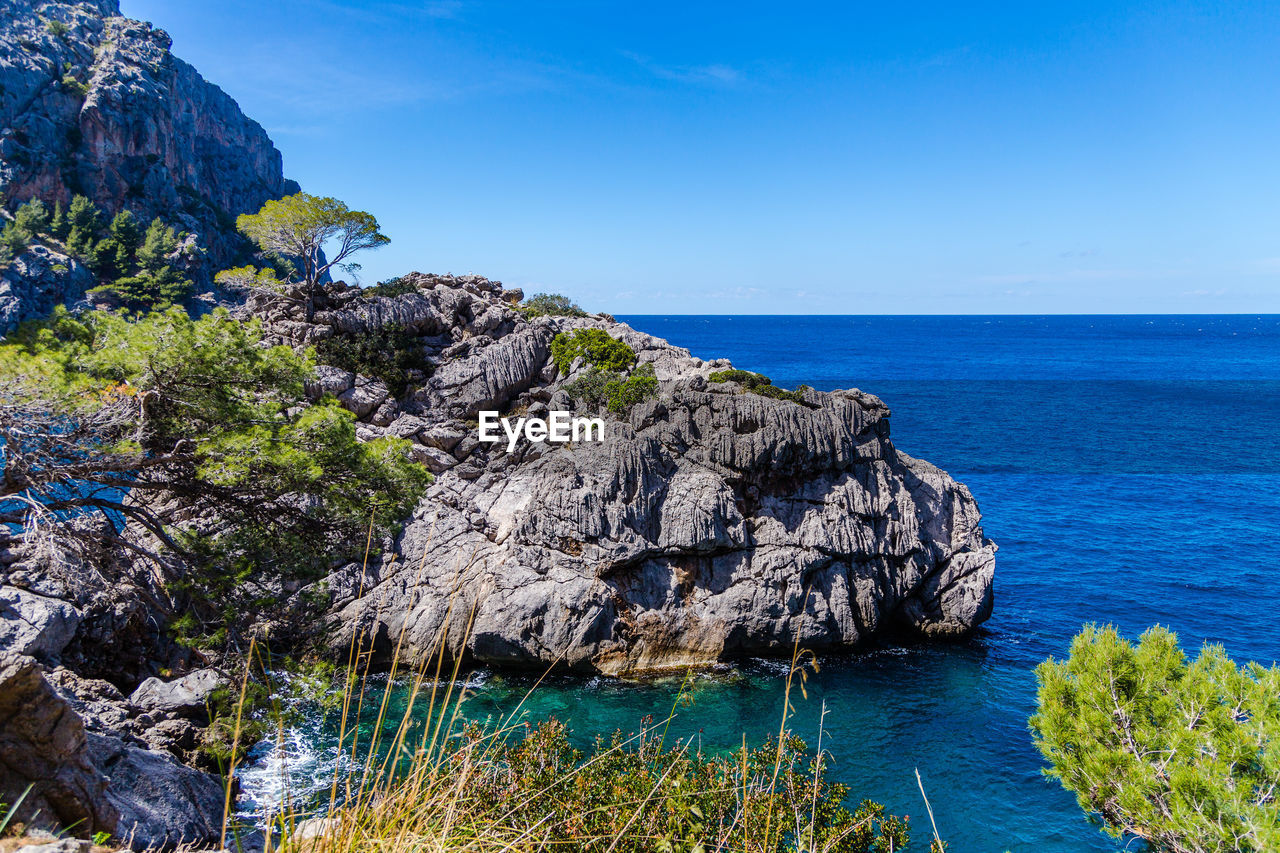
(783, 158)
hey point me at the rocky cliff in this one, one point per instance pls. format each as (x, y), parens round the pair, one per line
(96, 104)
(711, 522)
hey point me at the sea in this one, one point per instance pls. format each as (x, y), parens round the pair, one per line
(1128, 467)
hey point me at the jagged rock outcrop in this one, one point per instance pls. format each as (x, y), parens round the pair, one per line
(94, 103)
(68, 742)
(711, 522)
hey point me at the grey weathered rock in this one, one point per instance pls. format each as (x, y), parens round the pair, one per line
(187, 696)
(712, 523)
(365, 396)
(35, 625)
(329, 380)
(434, 458)
(43, 746)
(37, 281)
(162, 804)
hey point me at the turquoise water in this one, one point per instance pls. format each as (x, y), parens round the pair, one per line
(1129, 469)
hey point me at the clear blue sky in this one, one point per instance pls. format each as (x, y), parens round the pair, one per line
(783, 157)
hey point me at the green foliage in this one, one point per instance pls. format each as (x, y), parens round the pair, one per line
(550, 304)
(201, 411)
(58, 224)
(304, 228)
(597, 390)
(136, 265)
(84, 221)
(743, 377)
(1183, 755)
(126, 231)
(71, 84)
(760, 384)
(149, 288)
(84, 215)
(621, 394)
(219, 744)
(160, 242)
(57, 28)
(390, 288)
(32, 217)
(595, 346)
(388, 353)
(637, 795)
(588, 390)
(13, 241)
(249, 278)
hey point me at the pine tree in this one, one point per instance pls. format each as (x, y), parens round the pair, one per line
(58, 224)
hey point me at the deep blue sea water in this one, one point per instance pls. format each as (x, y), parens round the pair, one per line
(1128, 468)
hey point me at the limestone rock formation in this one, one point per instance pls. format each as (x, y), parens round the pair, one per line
(87, 776)
(94, 103)
(711, 523)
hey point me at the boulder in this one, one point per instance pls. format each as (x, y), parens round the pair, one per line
(35, 625)
(187, 696)
(162, 804)
(37, 281)
(43, 747)
(329, 380)
(363, 397)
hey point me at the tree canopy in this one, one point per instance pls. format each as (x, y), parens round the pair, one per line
(1181, 754)
(169, 418)
(303, 228)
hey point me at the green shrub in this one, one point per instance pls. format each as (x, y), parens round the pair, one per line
(760, 384)
(550, 305)
(742, 377)
(1183, 756)
(390, 288)
(595, 346)
(388, 353)
(622, 394)
(597, 390)
(588, 391)
(71, 84)
(58, 224)
(57, 28)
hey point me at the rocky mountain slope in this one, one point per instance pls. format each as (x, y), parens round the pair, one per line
(93, 103)
(711, 522)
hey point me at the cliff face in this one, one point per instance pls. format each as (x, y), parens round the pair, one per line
(711, 522)
(95, 104)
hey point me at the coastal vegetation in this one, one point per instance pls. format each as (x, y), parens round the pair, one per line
(550, 305)
(606, 384)
(597, 389)
(139, 267)
(389, 353)
(165, 417)
(757, 383)
(595, 346)
(1181, 754)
